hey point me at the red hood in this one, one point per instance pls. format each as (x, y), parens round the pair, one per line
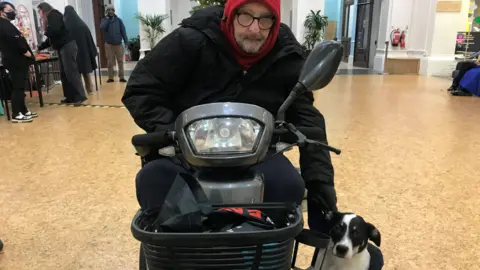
(244, 59)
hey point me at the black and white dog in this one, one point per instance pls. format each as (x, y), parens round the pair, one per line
(349, 235)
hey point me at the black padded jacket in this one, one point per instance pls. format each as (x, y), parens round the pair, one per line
(56, 32)
(194, 65)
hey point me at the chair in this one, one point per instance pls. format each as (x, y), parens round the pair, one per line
(4, 91)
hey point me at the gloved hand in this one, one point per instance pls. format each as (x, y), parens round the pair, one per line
(321, 198)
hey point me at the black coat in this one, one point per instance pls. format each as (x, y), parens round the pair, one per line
(79, 31)
(13, 46)
(194, 65)
(56, 32)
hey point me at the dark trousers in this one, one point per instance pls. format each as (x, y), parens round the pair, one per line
(463, 68)
(283, 183)
(19, 78)
(73, 89)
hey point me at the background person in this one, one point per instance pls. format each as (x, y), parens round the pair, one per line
(114, 31)
(59, 39)
(17, 56)
(87, 51)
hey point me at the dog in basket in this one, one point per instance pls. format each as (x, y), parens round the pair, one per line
(349, 235)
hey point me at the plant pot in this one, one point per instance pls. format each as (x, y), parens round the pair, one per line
(135, 55)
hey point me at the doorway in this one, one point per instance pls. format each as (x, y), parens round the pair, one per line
(361, 56)
(346, 39)
(98, 15)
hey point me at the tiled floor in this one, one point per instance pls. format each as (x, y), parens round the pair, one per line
(409, 166)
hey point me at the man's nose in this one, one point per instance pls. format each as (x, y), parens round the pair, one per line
(254, 27)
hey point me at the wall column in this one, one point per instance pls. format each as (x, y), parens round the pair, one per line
(430, 34)
(440, 52)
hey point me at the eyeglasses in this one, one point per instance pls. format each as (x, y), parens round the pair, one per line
(264, 23)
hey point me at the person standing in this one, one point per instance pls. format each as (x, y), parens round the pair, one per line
(87, 51)
(59, 39)
(17, 56)
(114, 31)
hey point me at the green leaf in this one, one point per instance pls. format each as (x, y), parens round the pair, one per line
(153, 26)
(314, 25)
(207, 3)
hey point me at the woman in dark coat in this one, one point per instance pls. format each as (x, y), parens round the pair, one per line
(87, 51)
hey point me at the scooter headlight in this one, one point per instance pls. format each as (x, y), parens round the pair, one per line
(224, 135)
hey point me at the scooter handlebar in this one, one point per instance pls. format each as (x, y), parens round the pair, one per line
(158, 139)
(314, 135)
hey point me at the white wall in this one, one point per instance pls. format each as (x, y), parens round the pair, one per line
(286, 12)
(430, 36)
(180, 10)
(301, 8)
(402, 10)
(441, 58)
(58, 4)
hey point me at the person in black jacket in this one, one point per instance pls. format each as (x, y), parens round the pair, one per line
(240, 53)
(16, 58)
(60, 39)
(87, 51)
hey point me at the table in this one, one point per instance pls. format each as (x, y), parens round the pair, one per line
(38, 80)
(53, 59)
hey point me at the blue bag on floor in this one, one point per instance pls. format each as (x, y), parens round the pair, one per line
(471, 81)
(1, 109)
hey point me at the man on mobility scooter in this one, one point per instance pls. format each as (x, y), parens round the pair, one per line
(240, 53)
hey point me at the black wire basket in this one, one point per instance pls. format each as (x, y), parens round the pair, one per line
(266, 250)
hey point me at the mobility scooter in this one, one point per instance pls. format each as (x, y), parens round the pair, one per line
(223, 141)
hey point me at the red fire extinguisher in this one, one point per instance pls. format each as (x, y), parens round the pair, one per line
(402, 40)
(395, 37)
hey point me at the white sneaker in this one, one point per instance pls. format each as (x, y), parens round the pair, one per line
(20, 118)
(31, 114)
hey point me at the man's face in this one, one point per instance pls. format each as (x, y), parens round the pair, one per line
(110, 12)
(41, 13)
(6, 10)
(252, 26)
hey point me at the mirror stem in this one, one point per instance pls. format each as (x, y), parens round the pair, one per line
(298, 90)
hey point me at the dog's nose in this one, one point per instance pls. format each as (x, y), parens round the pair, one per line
(342, 250)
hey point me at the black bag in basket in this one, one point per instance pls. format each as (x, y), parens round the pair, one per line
(185, 208)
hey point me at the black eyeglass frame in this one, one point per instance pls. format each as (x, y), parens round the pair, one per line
(238, 13)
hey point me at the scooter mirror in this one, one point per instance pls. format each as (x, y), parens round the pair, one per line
(321, 65)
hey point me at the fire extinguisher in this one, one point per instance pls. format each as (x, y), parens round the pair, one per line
(402, 40)
(395, 37)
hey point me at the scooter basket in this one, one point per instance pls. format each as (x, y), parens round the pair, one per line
(269, 249)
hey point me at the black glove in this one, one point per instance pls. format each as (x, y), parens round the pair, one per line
(323, 195)
(321, 198)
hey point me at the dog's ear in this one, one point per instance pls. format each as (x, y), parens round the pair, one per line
(374, 234)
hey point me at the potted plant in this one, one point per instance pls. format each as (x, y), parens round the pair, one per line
(315, 24)
(207, 3)
(134, 48)
(153, 27)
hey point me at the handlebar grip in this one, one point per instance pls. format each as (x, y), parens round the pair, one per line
(151, 139)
